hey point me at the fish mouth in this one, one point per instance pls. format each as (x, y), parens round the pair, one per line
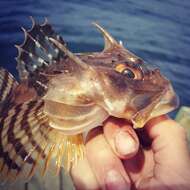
(165, 107)
(168, 102)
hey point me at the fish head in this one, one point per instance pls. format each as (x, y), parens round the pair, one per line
(135, 91)
(114, 82)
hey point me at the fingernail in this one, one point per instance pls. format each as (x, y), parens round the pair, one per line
(115, 180)
(125, 143)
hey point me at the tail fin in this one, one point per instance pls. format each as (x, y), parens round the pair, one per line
(28, 142)
(7, 84)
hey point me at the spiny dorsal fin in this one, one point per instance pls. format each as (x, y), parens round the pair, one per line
(37, 50)
(28, 142)
(7, 84)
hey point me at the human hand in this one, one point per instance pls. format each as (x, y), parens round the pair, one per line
(166, 165)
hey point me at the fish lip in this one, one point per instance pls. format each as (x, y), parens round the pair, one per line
(165, 107)
(168, 102)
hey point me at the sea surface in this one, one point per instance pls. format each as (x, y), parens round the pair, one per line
(156, 30)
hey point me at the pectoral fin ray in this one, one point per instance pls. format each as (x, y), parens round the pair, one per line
(32, 144)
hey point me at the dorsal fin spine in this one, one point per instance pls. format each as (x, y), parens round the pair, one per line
(38, 46)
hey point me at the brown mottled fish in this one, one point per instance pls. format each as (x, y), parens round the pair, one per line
(61, 95)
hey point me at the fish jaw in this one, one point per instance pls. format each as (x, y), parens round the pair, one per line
(168, 103)
(165, 102)
(138, 101)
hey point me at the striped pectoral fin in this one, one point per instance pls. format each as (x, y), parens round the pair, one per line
(7, 84)
(27, 142)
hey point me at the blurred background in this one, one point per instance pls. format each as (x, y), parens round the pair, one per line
(158, 31)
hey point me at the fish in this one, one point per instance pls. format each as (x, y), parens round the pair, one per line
(62, 95)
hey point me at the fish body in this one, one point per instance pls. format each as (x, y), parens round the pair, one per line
(62, 94)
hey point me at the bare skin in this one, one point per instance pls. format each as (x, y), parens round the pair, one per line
(115, 161)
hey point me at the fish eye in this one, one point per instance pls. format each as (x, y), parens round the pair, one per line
(128, 73)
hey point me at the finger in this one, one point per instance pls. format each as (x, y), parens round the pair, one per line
(168, 135)
(83, 177)
(169, 143)
(126, 146)
(121, 137)
(106, 166)
(141, 164)
(167, 162)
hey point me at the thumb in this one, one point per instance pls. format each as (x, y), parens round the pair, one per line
(121, 137)
(170, 152)
(169, 140)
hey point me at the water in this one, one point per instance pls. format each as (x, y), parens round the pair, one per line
(158, 31)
